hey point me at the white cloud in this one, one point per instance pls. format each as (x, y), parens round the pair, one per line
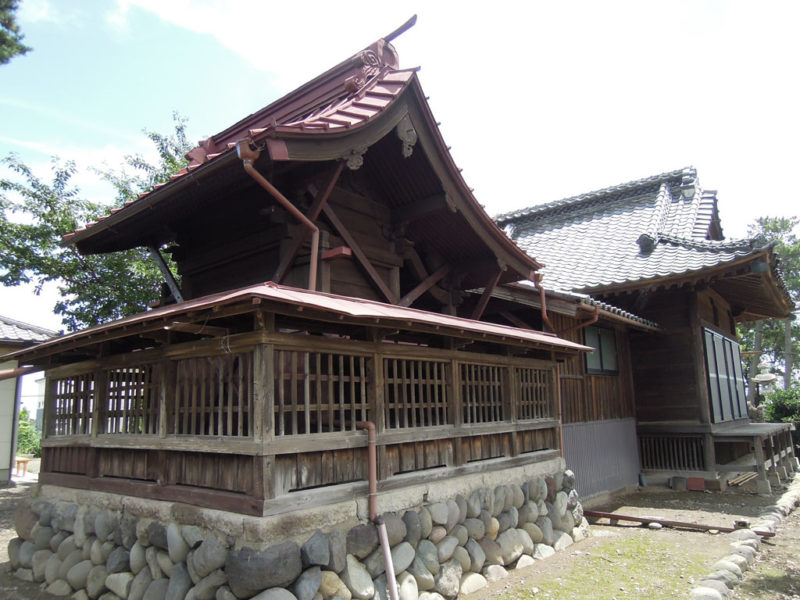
(36, 11)
(68, 119)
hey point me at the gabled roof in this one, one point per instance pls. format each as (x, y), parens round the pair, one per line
(13, 332)
(340, 115)
(636, 234)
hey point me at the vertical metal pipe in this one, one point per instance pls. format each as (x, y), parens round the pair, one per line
(387, 558)
(372, 454)
(537, 280)
(249, 156)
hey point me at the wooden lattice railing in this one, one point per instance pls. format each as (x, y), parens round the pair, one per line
(671, 452)
(284, 410)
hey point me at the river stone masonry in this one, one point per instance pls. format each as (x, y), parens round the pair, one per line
(745, 544)
(440, 550)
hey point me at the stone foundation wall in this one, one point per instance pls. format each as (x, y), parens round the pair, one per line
(440, 549)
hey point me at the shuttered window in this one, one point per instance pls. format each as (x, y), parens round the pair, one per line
(725, 377)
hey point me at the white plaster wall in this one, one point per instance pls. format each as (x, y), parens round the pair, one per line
(7, 393)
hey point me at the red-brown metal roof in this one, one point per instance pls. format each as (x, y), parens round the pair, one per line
(345, 99)
(367, 311)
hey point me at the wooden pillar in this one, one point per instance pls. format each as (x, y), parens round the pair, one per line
(512, 404)
(48, 417)
(792, 457)
(263, 419)
(775, 466)
(709, 453)
(762, 482)
(559, 409)
(377, 406)
(791, 462)
(699, 359)
(456, 415)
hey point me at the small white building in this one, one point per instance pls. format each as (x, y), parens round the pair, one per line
(13, 336)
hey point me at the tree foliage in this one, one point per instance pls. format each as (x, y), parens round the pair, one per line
(35, 215)
(780, 230)
(28, 439)
(783, 406)
(10, 37)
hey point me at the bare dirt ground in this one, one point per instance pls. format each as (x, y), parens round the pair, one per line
(616, 562)
(629, 561)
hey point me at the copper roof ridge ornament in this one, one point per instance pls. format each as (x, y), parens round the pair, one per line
(377, 57)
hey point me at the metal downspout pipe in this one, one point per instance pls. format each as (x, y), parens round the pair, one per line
(590, 321)
(248, 156)
(537, 280)
(372, 453)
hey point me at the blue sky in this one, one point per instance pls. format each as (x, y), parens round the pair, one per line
(540, 100)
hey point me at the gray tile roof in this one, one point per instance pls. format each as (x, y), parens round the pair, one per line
(646, 229)
(17, 332)
(586, 299)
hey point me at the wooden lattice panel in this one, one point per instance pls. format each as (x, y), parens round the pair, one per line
(483, 392)
(214, 396)
(535, 393)
(415, 393)
(72, 405)
(671, 453)
(319, 392)
(131, 400)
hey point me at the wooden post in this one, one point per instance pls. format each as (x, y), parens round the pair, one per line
(100, 400)
(709, 453)
(264, 418)
(511, 407)
(377, 405)
(456, 416)
(699, 359)
(762, 482)
(559, 409)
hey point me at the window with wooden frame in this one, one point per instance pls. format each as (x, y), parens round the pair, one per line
(603, 361)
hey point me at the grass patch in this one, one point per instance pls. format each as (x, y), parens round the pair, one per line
(641, 564)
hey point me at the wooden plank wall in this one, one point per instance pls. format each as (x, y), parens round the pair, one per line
(665, 372)
(585, 397)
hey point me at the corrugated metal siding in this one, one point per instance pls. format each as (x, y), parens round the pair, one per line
(603, 455)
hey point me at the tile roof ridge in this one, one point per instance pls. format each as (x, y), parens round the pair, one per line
(686, 173)
(28, 326)
(648, 240)
(753, 244)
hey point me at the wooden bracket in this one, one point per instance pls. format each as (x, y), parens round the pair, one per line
(424, 286)
(487, 294)
(320, 200)
(360, 254)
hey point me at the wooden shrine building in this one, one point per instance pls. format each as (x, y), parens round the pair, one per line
(655, 248)
(248, 396)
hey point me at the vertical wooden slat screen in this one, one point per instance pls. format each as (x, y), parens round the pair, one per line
(415, 393)
(671, 453)
(73, 405)
(213, 396)
(132, 396)
(482, 392)
(319, 392)
(536, 393)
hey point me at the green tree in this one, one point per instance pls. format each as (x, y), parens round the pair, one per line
(28, 439)
(10, 37)
(35, 215)
(777, 340)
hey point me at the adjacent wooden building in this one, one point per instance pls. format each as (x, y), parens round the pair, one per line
(655, 247)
